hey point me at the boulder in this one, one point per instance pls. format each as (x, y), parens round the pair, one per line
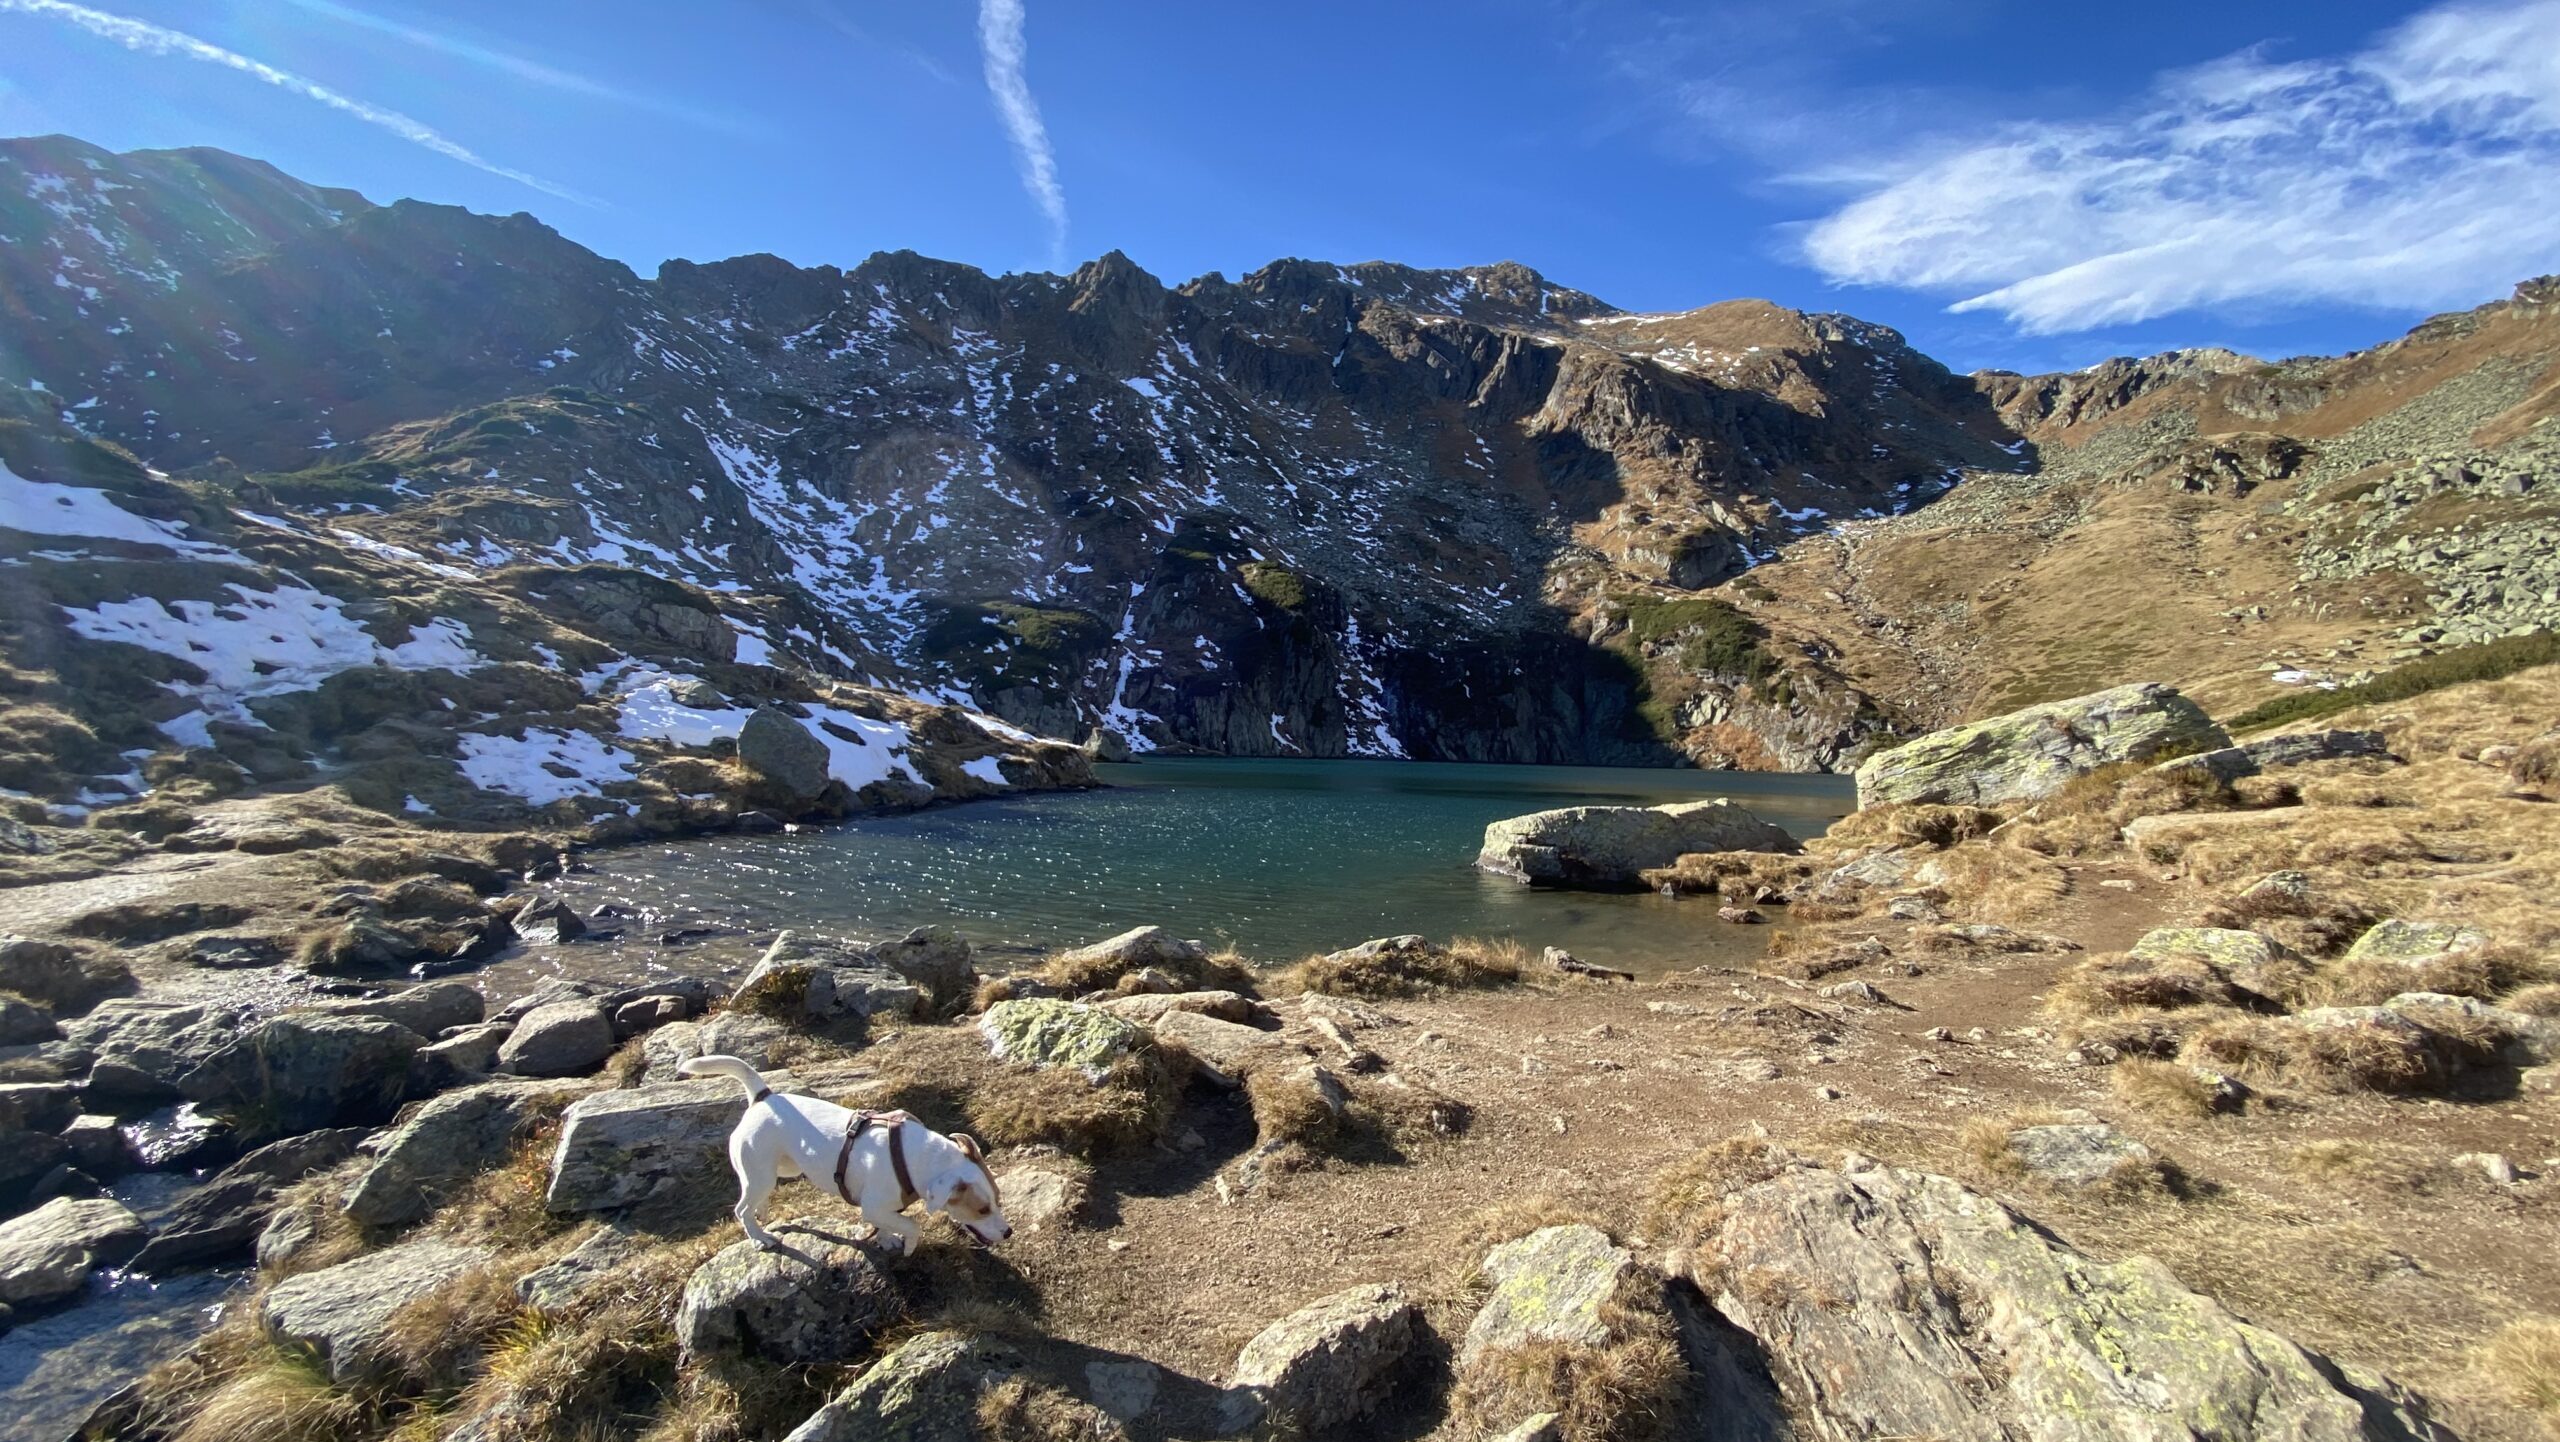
(657, 1140)
(343, 1313)
(137, 1050)
(430, 1010)
(1134, 950)
(222, 1219)
(2224, 949)
(2075, 1154)
(549, 922)
(2030, 753)
(774, 745)
(48, 1253)
(925, 1390)
(1970, 1322)
(467, 1056)
(37, 1106)
(601, 1257)
(647, 1014)
(815, 1301)
(300, 1071)
(23, 1023)
(69, 979)
(561, 1039)
(2294, 748)
(1554, 1285)
(96, 1144)
(824, 981)
(1227, 1053)
(1223, 1005)
(741, 1034)
(441, 1145)
(1326, 1363)
(938, 959)
(1037, 1199)
(1613, 846)
(1046, 1032)
(2397, 940)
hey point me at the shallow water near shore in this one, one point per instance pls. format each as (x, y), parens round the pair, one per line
(1278, 859)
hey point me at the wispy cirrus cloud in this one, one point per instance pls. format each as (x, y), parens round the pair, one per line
(146, 38)
(520, 67)
(1000, 40)
(2423, 171)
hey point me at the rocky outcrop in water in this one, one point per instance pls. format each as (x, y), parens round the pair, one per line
(1613, 846)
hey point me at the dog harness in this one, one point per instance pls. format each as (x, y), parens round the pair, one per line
(896, 1122)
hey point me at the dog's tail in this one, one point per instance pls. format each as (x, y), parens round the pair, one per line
(728, 1066)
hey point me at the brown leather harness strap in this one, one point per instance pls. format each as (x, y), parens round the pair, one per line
(896, 1122)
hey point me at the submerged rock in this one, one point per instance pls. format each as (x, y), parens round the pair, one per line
(2030, 753)
(48, 1253)
(1613, 846)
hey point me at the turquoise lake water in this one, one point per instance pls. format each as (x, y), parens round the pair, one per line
(1276, 858)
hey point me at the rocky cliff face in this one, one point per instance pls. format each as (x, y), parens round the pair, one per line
(1319, 510)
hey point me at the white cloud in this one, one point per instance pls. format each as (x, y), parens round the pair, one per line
(149, 39)
(2421, 172)
(1000, 38)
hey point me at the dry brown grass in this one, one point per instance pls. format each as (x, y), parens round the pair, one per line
(504, 1205)
(2333, 1059)
(1223, 971)
(1466, 963)
(2487, 973)
(280, 1395)
(1984, 1141)
(1289, 1106)
(1996, 881)
(1481, 1232)
(2537, 762)
(1685, 1203)
(1020, 1410)
(2108, 985)
(946, 1078)
(1900, 824)
(2162, 1088)
(1627, 1390)
(2542, 1000)
(581, 1377)
(432, 1344)
(2345, 1163)
(2522, 1362)
(2323, 920)
(1738, 873)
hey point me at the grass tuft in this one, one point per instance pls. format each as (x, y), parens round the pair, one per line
(1464, 964)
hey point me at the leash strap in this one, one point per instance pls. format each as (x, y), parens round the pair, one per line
(896, 1122)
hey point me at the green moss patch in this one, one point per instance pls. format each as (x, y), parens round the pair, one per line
(2488, 661)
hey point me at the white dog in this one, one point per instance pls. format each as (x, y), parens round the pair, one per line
(878, 1161)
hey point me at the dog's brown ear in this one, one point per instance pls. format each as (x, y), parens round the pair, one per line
(969, 1144)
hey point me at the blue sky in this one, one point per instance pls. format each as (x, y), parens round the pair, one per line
(2028, 185)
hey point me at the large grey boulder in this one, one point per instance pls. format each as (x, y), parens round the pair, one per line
(467, 1056)
(48, 1253)
(561, 1039)
(23, 1023)
(2410, 941)
(1613, 846)
(825, 980)
(1325, 1364)
(343, 1313)
(442, 1144)
(222, 1219)
(1134, 949)
(937, 959)
(2294, 748)
(302, 1071)
(665, 1139)
(814, 1302)
(925, 1390)
(2030, 753)
(430, 1010)
(1994, 1329)
(774, 745)
(1553, 1285)
(1227, 1053)
(137, 1049)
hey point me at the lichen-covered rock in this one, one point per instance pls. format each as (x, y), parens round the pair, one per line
(2397, 940)
(2075, 1154)
(1553, 1285)
(560, 1039)
(1966, 1321)
(2244, 958)
(2030, 753)
(49, 1252)
(1134, 949)
(343, 1313)
(443, 1144)
(1326, 1363)
(815, 1301)
(925, 1390)
(302, 1071)
(618, 1148)
(1046, 1032)
(1613, 846)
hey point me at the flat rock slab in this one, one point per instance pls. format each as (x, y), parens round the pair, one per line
(343, 1312)
(48, 1253)
(2397, 940)
(815, 1301)
(2043, 1342)
(622, 1147)
(222, 1219)
(2030, 753)
(2294, 748)
(1227, 1053)
(563, 1283)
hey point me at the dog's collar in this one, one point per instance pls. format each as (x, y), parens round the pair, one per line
(761, 1094)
